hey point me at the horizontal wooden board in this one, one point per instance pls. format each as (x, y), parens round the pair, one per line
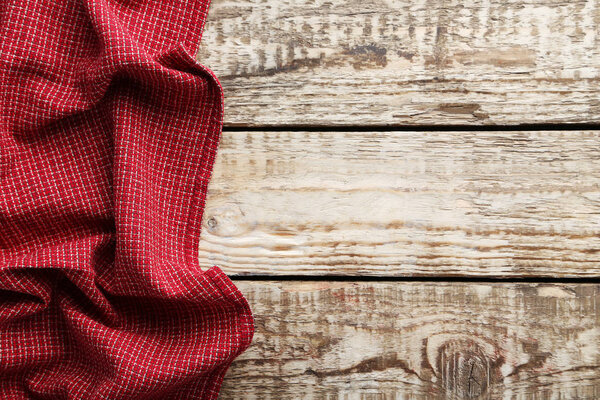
(384, 62)
(405, 203)
(399, 340)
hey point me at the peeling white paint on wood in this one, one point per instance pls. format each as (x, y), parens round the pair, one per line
(399, 340)
(501, 204)
(383, 62)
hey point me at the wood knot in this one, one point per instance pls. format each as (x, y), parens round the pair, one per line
(465, 370)
(225, 220)
(212, 222)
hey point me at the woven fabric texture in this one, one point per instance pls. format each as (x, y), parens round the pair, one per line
(108, 134)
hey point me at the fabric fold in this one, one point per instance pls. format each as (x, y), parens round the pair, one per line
(109, 130)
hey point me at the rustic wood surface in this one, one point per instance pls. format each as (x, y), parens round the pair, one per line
(384, 62)
(506, 204)
(394, 340)
(503, 204)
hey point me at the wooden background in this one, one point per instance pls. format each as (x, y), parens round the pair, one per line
(408, 194)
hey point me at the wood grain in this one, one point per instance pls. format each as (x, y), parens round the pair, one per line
(502, 204)
(399, 340)
(384, 62)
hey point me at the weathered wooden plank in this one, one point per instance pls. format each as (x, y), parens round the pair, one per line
(405, 203)
(399, 340)
(383, 62)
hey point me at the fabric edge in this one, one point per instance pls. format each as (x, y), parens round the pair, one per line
(244, 329)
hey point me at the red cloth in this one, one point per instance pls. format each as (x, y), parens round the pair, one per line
(108, 134)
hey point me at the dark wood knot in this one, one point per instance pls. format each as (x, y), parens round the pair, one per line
(465, 371)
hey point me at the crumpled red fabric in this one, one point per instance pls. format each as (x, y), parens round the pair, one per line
(108, 134)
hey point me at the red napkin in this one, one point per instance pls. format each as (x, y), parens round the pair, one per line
(108, 134)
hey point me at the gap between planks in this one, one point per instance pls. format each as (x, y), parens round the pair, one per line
(411, 128)
(422, 279)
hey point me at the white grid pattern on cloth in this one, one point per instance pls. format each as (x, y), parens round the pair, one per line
(108, 134)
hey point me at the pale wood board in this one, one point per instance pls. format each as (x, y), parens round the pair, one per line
(384, 62)
(503, 204)
(417, 340)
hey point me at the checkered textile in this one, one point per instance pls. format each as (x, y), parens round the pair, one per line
(108, 134)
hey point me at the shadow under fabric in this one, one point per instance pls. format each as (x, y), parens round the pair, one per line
(108, 135)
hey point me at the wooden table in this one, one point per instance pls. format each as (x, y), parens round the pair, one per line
(408, 193)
